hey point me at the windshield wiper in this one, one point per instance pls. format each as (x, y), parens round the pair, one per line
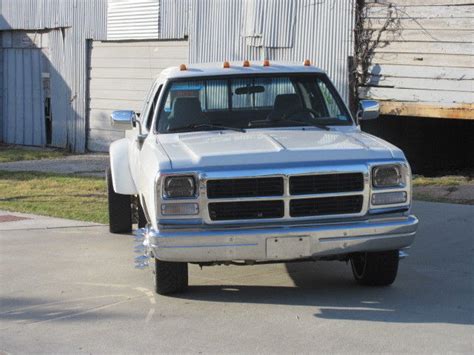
(319, 125)
(205, 125)
(283, 120)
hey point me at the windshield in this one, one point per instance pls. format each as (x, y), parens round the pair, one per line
(246, 102)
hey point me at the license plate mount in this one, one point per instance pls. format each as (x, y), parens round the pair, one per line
(287, 248)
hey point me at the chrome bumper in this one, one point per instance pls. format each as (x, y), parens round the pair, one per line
(281, 242)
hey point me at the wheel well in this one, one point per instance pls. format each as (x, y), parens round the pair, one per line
(122, 179)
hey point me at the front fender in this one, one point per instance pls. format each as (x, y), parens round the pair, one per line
(122, 179)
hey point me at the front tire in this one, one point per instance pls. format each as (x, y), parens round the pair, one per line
(375, 268)
(120, 209)
(170, 277)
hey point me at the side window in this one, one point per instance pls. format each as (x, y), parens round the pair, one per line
(331, 104)
(143, 114)
(212, 94)
(184, 89)
(152, 110)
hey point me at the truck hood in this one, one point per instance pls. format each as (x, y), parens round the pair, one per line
(195, 150)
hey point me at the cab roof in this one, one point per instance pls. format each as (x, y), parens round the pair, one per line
(236, 68)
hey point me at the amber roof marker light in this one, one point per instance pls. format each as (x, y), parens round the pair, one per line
(266, 63)
(183, 67)
(307, 63)
(246, 64)
(226, 65)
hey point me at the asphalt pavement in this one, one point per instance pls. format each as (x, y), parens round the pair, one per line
(71, 287)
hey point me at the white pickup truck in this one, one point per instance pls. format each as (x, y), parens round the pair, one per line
(246, 163)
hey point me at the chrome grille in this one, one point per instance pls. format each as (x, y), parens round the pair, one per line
(326, 206)
(330, 183)
(252, 187)
(219, 211)
(287, 196)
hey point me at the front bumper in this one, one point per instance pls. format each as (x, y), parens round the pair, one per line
(282, 242)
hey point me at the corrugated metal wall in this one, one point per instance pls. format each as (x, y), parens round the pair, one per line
(323, 34)
(1, 85)
(217, 30)
(133, 19)
(2, 24)
(72, 22)
(36, 14)
(269, 23)
(174, 16)
(284, 30)
(23, 111)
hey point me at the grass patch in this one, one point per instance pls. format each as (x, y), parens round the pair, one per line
(11, 153)
(450, 180)
(74, 197)
(449, 189)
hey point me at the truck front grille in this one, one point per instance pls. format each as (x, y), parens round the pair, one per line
(327, 183)
(251, 187)
(275, 197)
(219, 211)
(326, 206)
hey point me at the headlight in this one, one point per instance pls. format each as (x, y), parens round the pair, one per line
(387, 176)
(179, 187)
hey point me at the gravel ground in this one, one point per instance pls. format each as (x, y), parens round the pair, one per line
(455, 194)
(85, 164)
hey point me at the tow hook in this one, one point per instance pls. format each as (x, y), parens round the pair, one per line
(141, 247)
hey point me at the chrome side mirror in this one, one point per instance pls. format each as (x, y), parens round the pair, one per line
(126, 118)
(123, 118)
(368, 110)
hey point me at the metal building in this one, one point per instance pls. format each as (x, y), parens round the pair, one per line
(44, 55)
(145, 36)
(84, 72)
(65, 65)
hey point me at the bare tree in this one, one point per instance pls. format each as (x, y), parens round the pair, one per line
(366, 40)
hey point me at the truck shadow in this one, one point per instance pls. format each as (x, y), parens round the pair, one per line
(434, 285)
(331, 290)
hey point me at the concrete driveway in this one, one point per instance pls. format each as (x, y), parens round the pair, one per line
(72, 288)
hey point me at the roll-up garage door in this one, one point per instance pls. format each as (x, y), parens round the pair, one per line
(120, 74)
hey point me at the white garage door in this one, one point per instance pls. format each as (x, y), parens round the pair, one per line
(120, 74)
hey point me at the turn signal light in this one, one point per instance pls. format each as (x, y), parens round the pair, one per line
(389, 198)
(266, 63)
(183, 67)
(226, 65)
(306, 63)
(179, 209)
(246, 63)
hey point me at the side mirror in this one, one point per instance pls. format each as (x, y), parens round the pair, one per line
(123, 118)
(368, 110)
